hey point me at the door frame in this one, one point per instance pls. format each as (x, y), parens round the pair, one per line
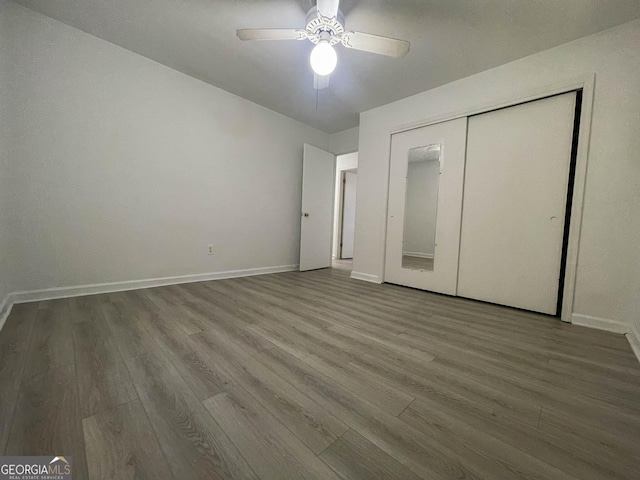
(343, 182)
(585, 83)
(336, 232)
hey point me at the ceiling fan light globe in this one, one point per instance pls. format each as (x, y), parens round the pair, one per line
(323, 58)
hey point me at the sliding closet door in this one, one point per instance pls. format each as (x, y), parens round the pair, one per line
(425, 198)
(515, 193)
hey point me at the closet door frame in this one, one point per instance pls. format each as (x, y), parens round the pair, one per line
(585, 84)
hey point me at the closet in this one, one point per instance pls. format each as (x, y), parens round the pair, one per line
(479, 206)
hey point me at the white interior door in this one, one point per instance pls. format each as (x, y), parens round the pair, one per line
(515, 193)
(348, 214)
(318, 173)
(425, 200)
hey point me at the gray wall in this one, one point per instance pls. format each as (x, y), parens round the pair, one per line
(127, 169)
(343, 142)
(6, 189)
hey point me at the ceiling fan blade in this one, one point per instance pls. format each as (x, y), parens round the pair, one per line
(271, 34)
(376, 44)
(328, 8)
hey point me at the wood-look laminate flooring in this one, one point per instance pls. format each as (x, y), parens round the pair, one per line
(342, 263)
(316, 376)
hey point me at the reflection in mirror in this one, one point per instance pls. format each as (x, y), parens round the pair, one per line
(420, 208)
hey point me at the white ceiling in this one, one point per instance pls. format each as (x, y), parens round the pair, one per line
(450, 39)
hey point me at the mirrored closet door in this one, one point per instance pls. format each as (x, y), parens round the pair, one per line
(425, 200)
(507, 243)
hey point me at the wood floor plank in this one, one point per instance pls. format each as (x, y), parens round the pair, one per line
(164, 301)
(11, 366)
(379, 393)
(14, 343)
(557, 450)
(409, 446)
(47, 418)
(51, 344)
(83, 309)
(421, 380)
(203, 375)
(194, 444)
(537, 373)
(284, 324)
(424, 352)
(599, 445)
(311, 422)
(266, 298)
(461, 437)
(595, 411)
(601, 375)
(270, 448)
(16, 332)
(224, 318)
(584, 363)
(103, 379)
(121, 446)
(326, 308)
(356, 458)
(127, 329)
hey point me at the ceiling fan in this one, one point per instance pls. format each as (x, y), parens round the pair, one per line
(325, 28)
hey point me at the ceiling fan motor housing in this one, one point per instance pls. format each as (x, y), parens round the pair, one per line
(324, 28)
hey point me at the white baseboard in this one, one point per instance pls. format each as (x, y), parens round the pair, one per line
(366, 277)
(633, 335)
(607, 324)
(417, 254)
(5, 309)
(76, 291)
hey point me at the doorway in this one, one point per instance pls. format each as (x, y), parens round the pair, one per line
(347, 214)
(327, 222)
(344, 210)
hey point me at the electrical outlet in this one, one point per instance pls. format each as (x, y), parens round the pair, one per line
(210, 249)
